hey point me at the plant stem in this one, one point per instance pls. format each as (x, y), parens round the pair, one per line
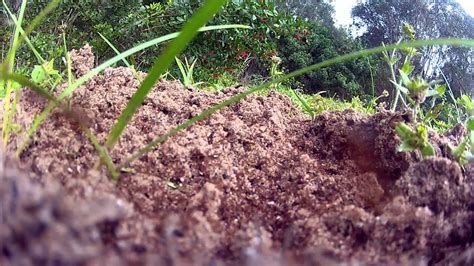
(10, 65)
(397, 90)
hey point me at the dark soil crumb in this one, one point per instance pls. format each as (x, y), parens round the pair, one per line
(257, 183)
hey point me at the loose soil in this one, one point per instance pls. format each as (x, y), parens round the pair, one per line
(257, 183)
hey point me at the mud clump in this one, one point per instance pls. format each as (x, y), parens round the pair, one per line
(256, 183)
(82, 60)
(443, 192)
(41, 226)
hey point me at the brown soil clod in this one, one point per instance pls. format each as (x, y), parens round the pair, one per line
(257, 183)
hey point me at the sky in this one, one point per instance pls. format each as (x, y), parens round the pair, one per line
(344, 7)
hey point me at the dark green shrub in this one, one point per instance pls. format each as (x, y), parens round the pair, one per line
(242, 54)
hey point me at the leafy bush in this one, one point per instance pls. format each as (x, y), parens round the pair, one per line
(242, 54)
(310, 43)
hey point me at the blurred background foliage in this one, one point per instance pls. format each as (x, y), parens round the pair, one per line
(300, 32)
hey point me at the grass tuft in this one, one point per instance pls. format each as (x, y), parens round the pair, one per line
(162, 63)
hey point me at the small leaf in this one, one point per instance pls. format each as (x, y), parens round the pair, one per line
(16, 128)
(16, 85)
(428, 150)
(431, 93)
(441, 89)
(466, 101)
(460, 149)
(38, 75)
(470, 124)
(400, 87)
(405, 146)
(422, 132)
(403, 131)
(405, 78)
(407, 68)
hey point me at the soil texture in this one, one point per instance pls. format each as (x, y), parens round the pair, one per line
(257, 183)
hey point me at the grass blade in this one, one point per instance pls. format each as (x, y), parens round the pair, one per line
(70, 89)
(40, 17)
(305, 104)
(124, 60)
(26, 83)
(199, 19)
(340, 59)
(132, 51)
(18, 39)
(23, 33)
(39, 58)
(183, 72)
(9, 66)
(70, 77)
(103, 154)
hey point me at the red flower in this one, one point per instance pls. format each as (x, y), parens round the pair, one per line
(242, 54)
(216, 75)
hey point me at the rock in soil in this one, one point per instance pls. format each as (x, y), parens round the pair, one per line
(257, 183)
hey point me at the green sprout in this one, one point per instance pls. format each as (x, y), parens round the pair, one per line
(418, 89)
(464, 152)
(275, 71)
(414, 139)
(187, 72)
(41, 74)
(408, 30)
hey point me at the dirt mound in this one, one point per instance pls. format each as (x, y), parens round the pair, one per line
(42, 226)
(256, 183)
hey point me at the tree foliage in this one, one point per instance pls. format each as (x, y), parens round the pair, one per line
(242, 54)
(382, 21)
(320, 11)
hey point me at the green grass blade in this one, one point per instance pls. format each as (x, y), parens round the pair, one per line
(124, 60)
(70, 77)
(23, 33)
(190, 30)
(183, 72)
(9, 66)
(70, 89)
(305, 104)
(104, 156)
(340, 59)
(18, 39)
(191, 72)
(372, 82)
(451, 95)
(39, 58)
(26, 83)
(39, 18)
(135, 50)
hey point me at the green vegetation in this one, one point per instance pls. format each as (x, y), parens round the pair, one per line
(254, 42)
